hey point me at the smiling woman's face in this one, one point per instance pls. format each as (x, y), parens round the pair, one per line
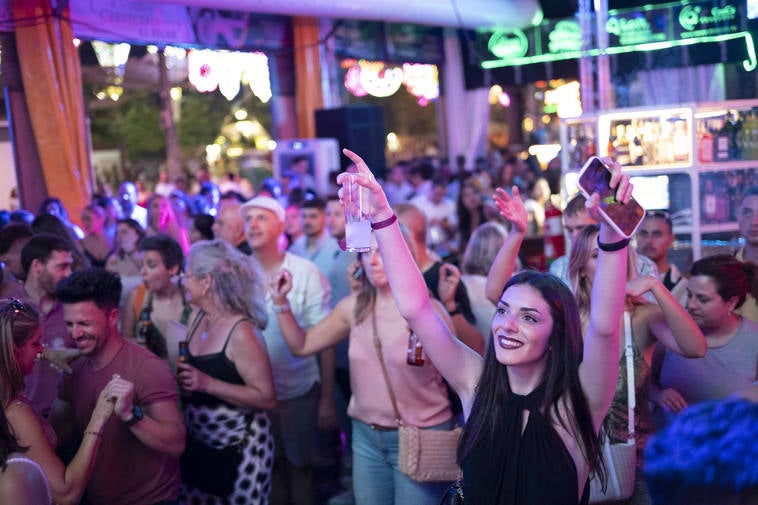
(521, 327)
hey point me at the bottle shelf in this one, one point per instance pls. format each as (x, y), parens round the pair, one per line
(671, 141)
(728, 227)
(720, 166)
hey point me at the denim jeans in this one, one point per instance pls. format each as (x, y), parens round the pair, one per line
(376, 478)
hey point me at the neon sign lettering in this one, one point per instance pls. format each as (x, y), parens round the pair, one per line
(690, 16)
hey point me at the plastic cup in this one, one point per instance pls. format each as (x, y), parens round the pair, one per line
(357, 221)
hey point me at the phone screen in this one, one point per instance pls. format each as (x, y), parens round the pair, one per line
(596, 178)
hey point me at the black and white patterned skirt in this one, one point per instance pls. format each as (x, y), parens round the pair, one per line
(224, 425)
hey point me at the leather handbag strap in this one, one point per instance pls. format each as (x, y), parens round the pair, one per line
(378, 347)
(629, 354)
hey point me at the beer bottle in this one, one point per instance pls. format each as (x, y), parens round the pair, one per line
(416, 355)
(183, 352)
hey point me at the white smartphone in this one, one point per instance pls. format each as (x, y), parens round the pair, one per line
(595, 177)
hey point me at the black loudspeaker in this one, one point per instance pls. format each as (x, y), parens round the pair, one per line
(359, 128)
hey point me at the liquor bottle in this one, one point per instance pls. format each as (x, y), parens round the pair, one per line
(721, 144)
(144, 327)
(681, 141)
(709, 200)
(146, 334)
(612, 146)
(622, 145)
(416, 355)
(183, 352)
(704, 144)
(750, 136)
(735, 145)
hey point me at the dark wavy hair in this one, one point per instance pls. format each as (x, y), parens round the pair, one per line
(561, 377)
(96, 285)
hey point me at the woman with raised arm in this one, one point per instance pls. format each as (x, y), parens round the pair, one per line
(535, 402)
(371, 320)
(665, 321)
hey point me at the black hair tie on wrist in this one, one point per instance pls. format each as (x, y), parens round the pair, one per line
(383, 224)
(614, 246)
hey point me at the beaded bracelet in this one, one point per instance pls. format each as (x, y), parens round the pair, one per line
(612, 247)
(95, 433)
(383, 224)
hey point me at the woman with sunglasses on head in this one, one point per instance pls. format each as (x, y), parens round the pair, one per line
(20, 348)
(535, 402)
(665, 321)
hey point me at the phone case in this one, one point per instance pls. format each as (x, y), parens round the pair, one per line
(635, 211)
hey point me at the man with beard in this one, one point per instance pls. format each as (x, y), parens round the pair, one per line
(139, 461)
(46, 260)
(747, 219)
(654, 238)
(316, 244)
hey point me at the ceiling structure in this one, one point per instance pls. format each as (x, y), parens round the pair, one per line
(454, 13)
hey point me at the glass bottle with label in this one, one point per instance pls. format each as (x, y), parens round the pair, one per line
(416, 355)
(704, 144)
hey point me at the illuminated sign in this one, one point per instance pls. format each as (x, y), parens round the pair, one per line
(508, 44)
(699, 20)
(629, 30)
(565, 36)
(637, 27)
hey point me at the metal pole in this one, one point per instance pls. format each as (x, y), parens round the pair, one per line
(605, 98)
(586, 80)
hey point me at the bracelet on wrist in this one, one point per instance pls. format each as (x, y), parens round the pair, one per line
(281, 309)
(613, 246)
(94, 433)
(384, 223)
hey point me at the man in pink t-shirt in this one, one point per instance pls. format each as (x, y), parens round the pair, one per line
(138, 462)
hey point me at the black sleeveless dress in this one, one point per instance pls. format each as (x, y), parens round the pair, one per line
(533, 468)
(220, 424)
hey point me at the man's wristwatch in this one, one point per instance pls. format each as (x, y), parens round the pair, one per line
(137, 416)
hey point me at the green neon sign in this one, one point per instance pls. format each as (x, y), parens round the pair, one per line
(508, 44)
(566, 36)
(750, 64)
(633, 30)
(693, 15)
(645, 29)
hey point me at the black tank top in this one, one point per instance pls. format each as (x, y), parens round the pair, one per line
(216, 365)
(533, 468)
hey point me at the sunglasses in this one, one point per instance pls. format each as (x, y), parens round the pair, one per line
(15, 305)
(659, 214)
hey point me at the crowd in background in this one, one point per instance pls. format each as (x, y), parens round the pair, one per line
(280, 324)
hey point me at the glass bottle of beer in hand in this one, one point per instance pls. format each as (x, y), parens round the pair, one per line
(416, 355)
(183, 352)
(144, 327)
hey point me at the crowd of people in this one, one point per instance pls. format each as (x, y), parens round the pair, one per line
(199, 349)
